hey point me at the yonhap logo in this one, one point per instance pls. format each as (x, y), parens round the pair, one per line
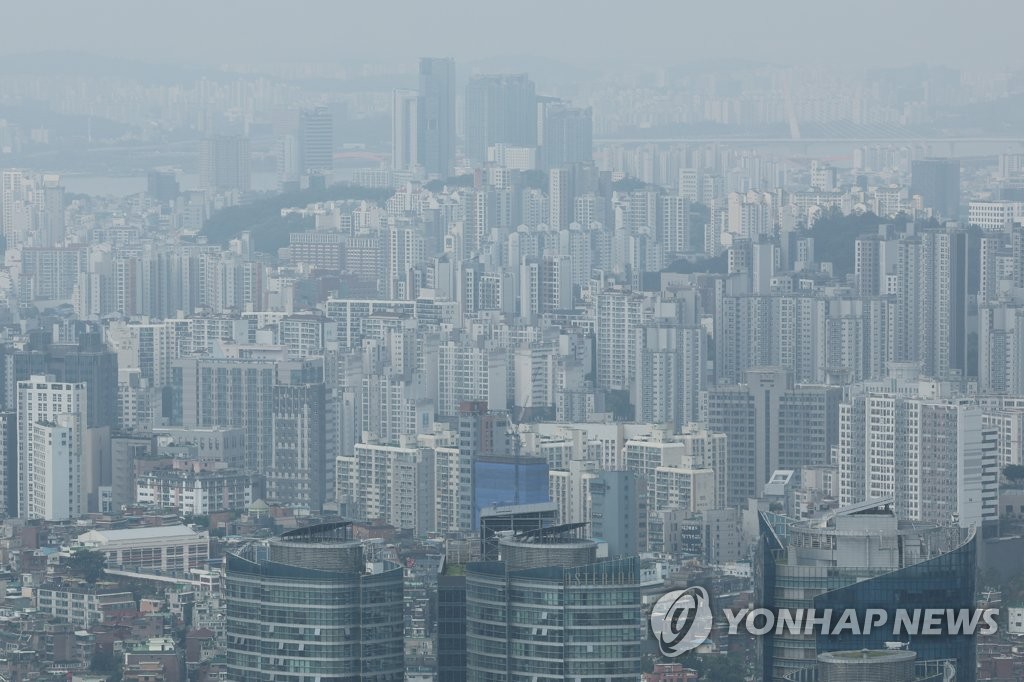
(681, 620)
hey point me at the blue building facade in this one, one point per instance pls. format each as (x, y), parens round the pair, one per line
(862, 559)
(495, 480)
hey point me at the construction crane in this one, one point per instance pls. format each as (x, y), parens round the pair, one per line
(517, 443)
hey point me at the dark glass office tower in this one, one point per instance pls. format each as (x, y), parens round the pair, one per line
(501, 481)
(316, 141)
(862, 557)
(436, 113)
(566, 134)
(451, 624)
(937, 182)
(500, 109)
(88, 360)
(305, 607)
(550, 610)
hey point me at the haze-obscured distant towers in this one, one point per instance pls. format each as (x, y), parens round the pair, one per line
(436, 116)
(52, 229)
(316, 141)
(305, 145)
(14, 214)
(565, 133)
(937, 182)
(500, 109)
(31, 208)
(404, 130)
(224, 164)
(162, 185)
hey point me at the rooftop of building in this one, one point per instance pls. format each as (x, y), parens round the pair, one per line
(326, 533)
(566, 533)
(141, 533)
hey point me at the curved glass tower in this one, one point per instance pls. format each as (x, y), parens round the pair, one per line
(304, 608)
(551, 611)
(862, 557)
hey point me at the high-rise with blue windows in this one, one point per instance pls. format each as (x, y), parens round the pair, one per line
(862, 557)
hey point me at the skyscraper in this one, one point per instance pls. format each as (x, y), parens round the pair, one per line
(500, 109)
(617, 512)
(771, 424)
(436, 116)
(937, 182)
(228, 393)
(551, 610)
(52, 229)
(15, 206)
(162, 185)
(316, 141)
(299, 470)
(566, 134)
(936, 458)
(404, 130)
(51, 434)
(224, 163)
(88, 361)
(862, 557)
(310, 606)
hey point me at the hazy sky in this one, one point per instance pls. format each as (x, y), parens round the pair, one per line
(975, 33)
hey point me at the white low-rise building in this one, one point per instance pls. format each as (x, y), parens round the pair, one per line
(171, 549)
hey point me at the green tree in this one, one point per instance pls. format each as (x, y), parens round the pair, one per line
(87, 564)
(1014, 473)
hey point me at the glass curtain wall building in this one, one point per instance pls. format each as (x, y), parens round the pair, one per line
(308, 606)
(549, 610)
(863, 557)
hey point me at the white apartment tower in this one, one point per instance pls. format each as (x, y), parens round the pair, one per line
(51, 434)
(935, 457)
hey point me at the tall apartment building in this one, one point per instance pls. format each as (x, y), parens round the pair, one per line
(316, 141)
(224, 164)
(787, 330)
(924, 274)
(1001, 348)
(669, 373)
(771, 423)
(51, 449)
(299, 471)
(619, 315)
(936, 458)
(426, 487)
(228, 393)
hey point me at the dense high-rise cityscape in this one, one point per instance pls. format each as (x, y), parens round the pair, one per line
(594, 346)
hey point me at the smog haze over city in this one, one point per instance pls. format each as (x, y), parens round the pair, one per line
(504, 342)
